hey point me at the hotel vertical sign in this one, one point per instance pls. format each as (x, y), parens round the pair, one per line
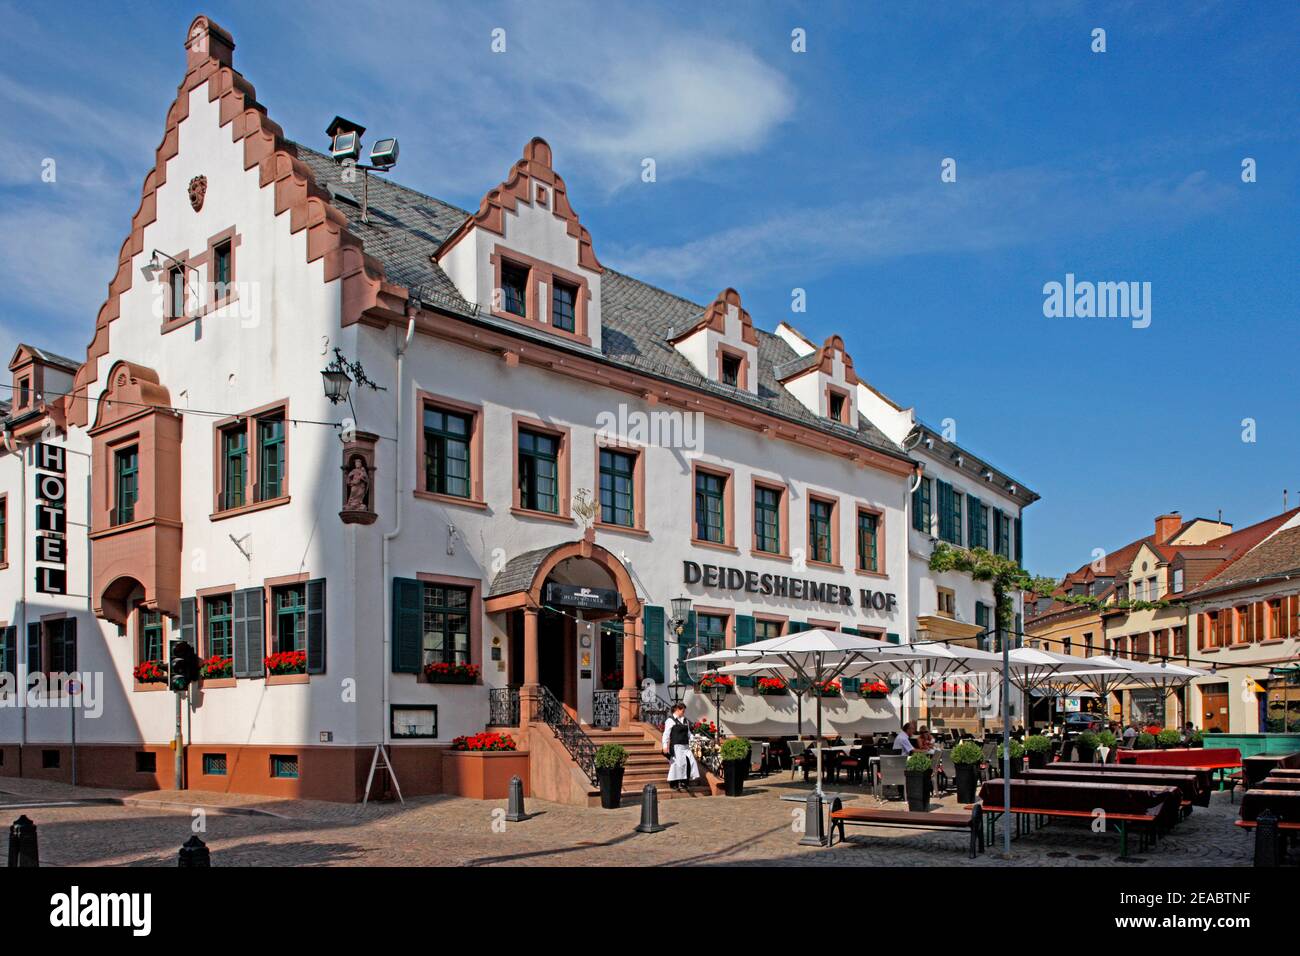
(51, 519)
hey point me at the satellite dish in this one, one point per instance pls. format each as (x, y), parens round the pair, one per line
(697, 669)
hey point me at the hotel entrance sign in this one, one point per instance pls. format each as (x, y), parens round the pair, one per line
(591, 599)
(51, 492)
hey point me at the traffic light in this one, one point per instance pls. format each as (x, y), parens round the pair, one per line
(184, 666)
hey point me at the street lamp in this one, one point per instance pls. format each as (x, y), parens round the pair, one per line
(337, 382)
(681, 614)
(678, 691)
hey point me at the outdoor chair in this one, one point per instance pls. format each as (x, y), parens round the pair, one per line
(758, 757)
(892, 774)
(990, 751)
(947, 770)
(798, 757)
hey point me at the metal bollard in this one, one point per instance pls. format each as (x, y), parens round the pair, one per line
(194, 852)
(649, 811)
(814, 834)
(1268, 842)
(515, 804)
(23, 850)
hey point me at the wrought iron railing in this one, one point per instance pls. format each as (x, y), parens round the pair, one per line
(548, 709)
(655, 712)
(604, 708)
(503, 707)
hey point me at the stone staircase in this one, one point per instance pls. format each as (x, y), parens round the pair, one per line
(645, 764)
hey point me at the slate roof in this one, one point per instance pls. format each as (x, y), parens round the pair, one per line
(406, 227)
(518, 573)
(51, 358)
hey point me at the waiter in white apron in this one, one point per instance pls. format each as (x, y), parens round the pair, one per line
(677, 748)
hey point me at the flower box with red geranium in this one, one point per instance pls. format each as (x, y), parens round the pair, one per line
(484, 741)
(150, 672)
(704, 728)
(772, 686)
(710, 681)
(287, 662)
(441, 673)
(217, 667)
(875, 689)
(828, 688)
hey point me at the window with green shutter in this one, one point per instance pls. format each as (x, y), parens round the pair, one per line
(977, 521)
(921, 506)
(821, 517)
(219, 626)
(270, 451)
(539, 471)
(617, 487)
(151, 636)
(446, 452)
(126, 467)
(446, 625)
(289, 605)
(767, 519)
(710, 507)
(868, 554)
(234, 467)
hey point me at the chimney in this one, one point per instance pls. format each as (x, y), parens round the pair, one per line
(207, 41)
(1166, 525)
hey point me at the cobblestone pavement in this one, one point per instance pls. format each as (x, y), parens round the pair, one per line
(147, 829)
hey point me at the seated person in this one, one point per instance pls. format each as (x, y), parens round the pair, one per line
(903, 741)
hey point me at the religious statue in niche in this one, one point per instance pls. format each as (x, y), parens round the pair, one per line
(358, 479)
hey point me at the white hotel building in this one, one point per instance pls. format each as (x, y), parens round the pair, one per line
(335, 565)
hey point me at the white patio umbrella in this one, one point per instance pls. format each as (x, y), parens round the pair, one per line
(814, 657)
(1034, 670)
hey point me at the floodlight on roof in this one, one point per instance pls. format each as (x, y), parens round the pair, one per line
(383, 155)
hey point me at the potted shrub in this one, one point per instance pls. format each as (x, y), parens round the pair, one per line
(1016, 763)
(1168, 738)
(610, 760)
(1145, 742)
(735, 764)
(917, 775)
(1085, 746)
(772, 686)
(1038, 747)
(1105, 744)
(967, 756)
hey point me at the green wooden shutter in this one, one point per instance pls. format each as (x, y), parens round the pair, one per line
(1020, 542)
(316, 626)
(745, 635)
(794, 627)
(249, 633)
(996, 543)
(684, 645)
(9, 651)
(408, 625)
(921, 506)
(188, 628)
(945, 511)
(893, 638)
(70, 643)
(34, 648)
(652, 624)
(973, 506)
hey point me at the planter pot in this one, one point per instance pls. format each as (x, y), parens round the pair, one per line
(611, 786)
(733, 776)
(1016, 765)
(967, 782)
(1083, 753)
(918, 790)
(1037, 759)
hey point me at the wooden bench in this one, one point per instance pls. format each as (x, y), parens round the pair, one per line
(906, 820)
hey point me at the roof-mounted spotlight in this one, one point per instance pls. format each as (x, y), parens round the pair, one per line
(383, 155)
(345, 139)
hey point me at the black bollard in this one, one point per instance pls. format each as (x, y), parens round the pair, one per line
(23, 850)
(194, 853)
(649, 810)
(515, 805)
(1268, 844)
(813, 832)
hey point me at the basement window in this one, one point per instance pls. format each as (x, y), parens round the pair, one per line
(146, 762)
(214, 765)
(284, 766)
(49, 760)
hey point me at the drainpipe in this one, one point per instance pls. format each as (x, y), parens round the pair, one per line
(21, 639)
(399, 469)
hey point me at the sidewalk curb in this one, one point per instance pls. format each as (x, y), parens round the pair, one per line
(209, 808)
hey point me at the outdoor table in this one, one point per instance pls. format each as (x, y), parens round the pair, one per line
(1285, 804)
(1192, 792)
(1258, 766)
(1221, 759)
(1204, 775)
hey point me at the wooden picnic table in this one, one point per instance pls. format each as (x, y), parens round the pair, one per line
(1285, 804)
(1204, 775)
(1193, 793)
(1258, 766)
(1221, 759)
(1150, 808)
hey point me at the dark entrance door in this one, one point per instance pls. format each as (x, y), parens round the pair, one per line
(556, 656)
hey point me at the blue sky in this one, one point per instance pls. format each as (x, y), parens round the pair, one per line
(820, 170)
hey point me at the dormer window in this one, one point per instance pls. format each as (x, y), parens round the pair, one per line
(837, 404)
(514, 289)
(730, 370)
(564, 300)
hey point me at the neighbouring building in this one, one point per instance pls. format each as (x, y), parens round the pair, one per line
(495, 536)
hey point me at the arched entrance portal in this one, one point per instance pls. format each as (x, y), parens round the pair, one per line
(572, 620)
